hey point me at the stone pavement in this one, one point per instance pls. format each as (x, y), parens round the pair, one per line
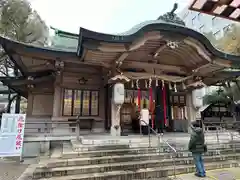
(219, 174)
(12, 169)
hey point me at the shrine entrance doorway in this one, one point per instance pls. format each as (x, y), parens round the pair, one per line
(127, 117)
(129, 113)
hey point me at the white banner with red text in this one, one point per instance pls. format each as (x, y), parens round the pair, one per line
(12, 134)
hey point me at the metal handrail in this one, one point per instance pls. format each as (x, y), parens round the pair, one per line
(157, 134)
(223, 127)
(149, 136)
(159, 143)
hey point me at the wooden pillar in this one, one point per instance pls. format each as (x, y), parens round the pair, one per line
(30, 104)
(107, 105)
(191, 111)
(17, 105)
(56, 101)
(57, 97)
(18, 98)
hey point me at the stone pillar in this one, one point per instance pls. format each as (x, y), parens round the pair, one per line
(191, 111)
(56, 101)
(115, 118)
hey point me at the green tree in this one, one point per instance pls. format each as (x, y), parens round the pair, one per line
(230, 42)
(219, 96)
(19, 22)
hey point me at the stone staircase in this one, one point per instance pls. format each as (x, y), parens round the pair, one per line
(121, 162)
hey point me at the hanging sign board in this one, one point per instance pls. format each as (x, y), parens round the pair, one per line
(12, 134)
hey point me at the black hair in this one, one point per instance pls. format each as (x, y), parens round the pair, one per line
(144, 104)
(196, 124)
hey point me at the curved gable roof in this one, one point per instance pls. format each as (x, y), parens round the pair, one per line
(165, 28)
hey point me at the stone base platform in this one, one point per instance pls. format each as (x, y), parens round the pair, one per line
(178, 139)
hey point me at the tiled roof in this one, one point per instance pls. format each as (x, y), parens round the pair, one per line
(64, 40)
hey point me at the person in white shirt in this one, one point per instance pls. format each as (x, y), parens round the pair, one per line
(144, 119)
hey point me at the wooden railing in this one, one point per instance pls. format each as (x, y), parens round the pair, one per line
(54, 128)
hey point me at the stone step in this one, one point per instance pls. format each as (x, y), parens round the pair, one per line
(144, 173)
(136, 139)
(164, 178)
(81, 161)
(178, 145)
(132, 165)
(101, 147)
(56, 153)
(139, 150)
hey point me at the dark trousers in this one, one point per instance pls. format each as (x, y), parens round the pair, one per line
(135, 125)
(198, 160)
(145, 130)
(159, 130)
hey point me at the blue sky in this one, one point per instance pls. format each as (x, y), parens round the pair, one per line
(109, 16)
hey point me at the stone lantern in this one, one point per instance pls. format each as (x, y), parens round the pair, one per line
(118, 95)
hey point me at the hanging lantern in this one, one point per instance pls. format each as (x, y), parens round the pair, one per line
(170, 86)
(175, 87)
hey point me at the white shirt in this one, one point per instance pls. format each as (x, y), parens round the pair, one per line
(145, 117)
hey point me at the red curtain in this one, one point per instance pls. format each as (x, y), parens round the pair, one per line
(150, 105)
(139, 100)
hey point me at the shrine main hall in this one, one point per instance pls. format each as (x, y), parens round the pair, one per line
(159, 61)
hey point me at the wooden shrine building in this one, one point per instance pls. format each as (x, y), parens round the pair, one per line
(161, 60)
